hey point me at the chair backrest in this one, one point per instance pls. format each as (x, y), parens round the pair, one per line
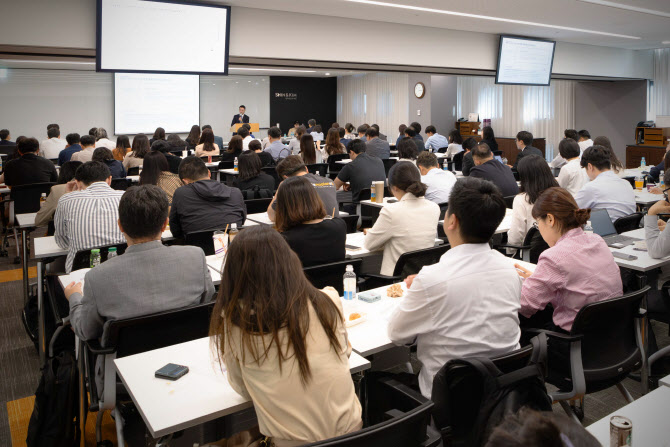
(537, 244)
(351, 221)
(388, 163)
(318, 169)
(628, 223)
(148, 332)
(332, 274)
(27, 197)
(202, 239)
(442, 150)
(443, 209)
(333, 166)
(609, 346)
(226, 164)
(255, 206)
(134, 171)
(7, 149)
(509, 201)
(457, 159)
(272, 171)
(82, 259)
(121, 184)
(364, 194)
(215, 158)
(412, 262)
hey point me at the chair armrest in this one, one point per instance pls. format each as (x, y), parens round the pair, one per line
(518, 247)
(381, 277)
(95, 348)
(565, 337)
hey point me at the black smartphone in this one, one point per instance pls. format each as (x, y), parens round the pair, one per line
(171, 372)
(391, 200)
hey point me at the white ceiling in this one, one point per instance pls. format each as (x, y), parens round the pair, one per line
(651, 27)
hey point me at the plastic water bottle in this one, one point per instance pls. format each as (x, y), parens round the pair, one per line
(232, 232)
(0, 164)
(349, 285)
(643, 163)
(112, 253)
(43, 198)
(588, 228)
(95, 257)
(661, 180)
(235, 167)
(445, 165)
(373, 194)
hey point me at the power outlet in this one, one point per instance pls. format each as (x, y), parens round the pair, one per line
(418, 112)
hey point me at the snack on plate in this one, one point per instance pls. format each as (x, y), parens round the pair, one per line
(354, 316)
(395, 291)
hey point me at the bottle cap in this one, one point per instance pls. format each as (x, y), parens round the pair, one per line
(95, 250)
(233, 226)
(111, 249)
(350, 268)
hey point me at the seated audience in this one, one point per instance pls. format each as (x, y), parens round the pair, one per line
(349, 131)
(303, 355)
(585, 140)
(577, 269)
(605, 190)
(275, 147)
(206, 146)
(164, 148)
(251, 177)
(235, 148)
(101, 139)
(410, 224)
(29, 167)
(572, 176)
(361, 172)
(524, 140)
(202, 203)
(193, 138)
(156, 171)
(48, 208)
(51, 148)
(294, 144)
(343, 140)
(617, 166)
(311, 124)
(294, 129)
(559, 160)
(266, 159)
(175, 142)
(217, 140)
(72, 147)
(468, 163)
(92, 131)
(439, 183)
(401, 133)
(122, 147)
(489, 138)
(412, 133)
(407, 150)
(317, 133)
(381, 135)
(293, 166)
(159, 134)
(144, 280)
(104, 155)
(243, 133)
(308, 151)
(86, 216)
(435, 141)
(655, 172)
(376, 146)
(308, 228)
(87, 144)
(417, 127)
(333, 143)
(362, 129)
(5, 138)
(455, 143)
(140, 147)
(535, 177)
(438, 309)
(488, 168)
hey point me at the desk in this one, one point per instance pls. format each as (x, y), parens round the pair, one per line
(646, 199)
(665, 381)
(649, 415)
(349, 160)
(202, 395)
(133, 178)
(260, 218)
(644, 262)
(230, 175)
(634, 172)
(24, 222)
(358, 240)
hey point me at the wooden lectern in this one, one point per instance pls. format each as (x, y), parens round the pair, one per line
(255, 127)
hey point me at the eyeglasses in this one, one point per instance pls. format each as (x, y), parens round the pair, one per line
(665, 194)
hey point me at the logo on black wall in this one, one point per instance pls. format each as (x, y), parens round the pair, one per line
(287, 96)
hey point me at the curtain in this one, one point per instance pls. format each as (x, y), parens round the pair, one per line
(543, 111)
(661, 94)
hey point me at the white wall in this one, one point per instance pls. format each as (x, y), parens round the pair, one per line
(444, 101)
(71, 23)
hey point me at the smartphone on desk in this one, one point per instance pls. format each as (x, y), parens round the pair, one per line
(391, 200)
(171, 372)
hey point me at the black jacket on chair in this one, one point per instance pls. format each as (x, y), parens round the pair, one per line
(528, 150)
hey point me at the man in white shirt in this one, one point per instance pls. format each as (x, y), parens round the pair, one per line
(246, 138)
(467, 304)
(605, 190)
(101, 139)
(439, 182)
(51, 148)
(585, 140)
(572, 176)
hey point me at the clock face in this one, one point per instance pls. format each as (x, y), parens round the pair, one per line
(419, 90)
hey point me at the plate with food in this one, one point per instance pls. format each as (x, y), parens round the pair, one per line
(355, 318)
(395, 291)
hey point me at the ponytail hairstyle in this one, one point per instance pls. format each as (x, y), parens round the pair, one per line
(406, 177)
(559, 203)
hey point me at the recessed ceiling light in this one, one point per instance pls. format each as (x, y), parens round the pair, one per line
(628, 7)
(327, 74)
(47, 62)
(272, 69)
(495, 19)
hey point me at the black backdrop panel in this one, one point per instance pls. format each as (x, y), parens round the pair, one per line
(301, 99)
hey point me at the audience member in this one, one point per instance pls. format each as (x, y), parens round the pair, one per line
(342, 135)
(104, 155)
(317, 133)
(135, 158)
(572, 134)
(92, 131)
(308, 151)
(605, 190)
(376, 147)
(193, 138)
(349, 132)
(411, 132)
(381, 135)
(206, 146)
(266, 158)
(122, 147)
(410, 224)
(72, 147)
(572, 176)
(361, 172)
(407, 150)
(655, 172)
(333, 143)
(585, 140)
(101, 139)
(303, 221)
(401, 133)
(468, 163)
(524, 140)
(435, 141)
(439, 183)
(454, 297)
(488, 168)
(311, 124)
(5, 138)
(294, 129)
(251, 176)
(159, 134)
(217, 140)
(29, 167)
(175, 142)
(86, 216)
(202, 203)
(275, 147)
(489, 138)
(235, 148)
(294, 144)
(455, 143)
(361, 131)
(156, 171)
(302, 356)
(51, 148)
(417, 127)
(243, 133)
(617, 166)
(165, 148)
(87, 144)
(48, 208)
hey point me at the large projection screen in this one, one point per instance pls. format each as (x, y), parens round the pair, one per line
(145, 101)
(524, 61)
(159, 36)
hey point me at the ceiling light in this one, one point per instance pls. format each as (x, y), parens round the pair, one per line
(628, 7)
(273, 69)
(47, 62)
(495, 19)
(327, 74)
(666, 42)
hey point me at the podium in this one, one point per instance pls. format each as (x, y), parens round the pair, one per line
(255, 127)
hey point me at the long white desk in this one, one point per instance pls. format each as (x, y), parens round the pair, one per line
(644, 262)
(645, 198)
(202, 395)
(665, 381)
(649, 415)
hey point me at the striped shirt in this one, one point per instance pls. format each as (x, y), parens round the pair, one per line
(88, 219)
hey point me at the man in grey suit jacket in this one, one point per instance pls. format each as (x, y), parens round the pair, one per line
(375, 146)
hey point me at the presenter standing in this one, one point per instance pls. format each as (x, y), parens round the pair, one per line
(241, 117)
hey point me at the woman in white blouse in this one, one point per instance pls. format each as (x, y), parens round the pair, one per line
(572, 176)
(455, 143)
(535, 177)
(408, 225)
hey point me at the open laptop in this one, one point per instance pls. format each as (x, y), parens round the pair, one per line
(602, 225)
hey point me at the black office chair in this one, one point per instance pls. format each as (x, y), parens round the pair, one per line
(443, 209)
(134, 171)
(255, 206)
(532, 248)
(272, 171)
(457, 160)
(7, 149)
(121, 184)
(334, 168)
(203, 239)
(628, 223)
(388, 164)
(226, 164)
(442, 150)
(399, 416)
(318, 169)
(604, 345)
(352, 222)
(215, 158)
(409, 263)
(332, 274)
(509, 201)
(128, 337)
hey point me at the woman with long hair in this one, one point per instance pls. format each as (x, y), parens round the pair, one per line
(310, 155)
(104, 155)
(159, 134)
(207, 146)
(235, 148)
(617, 166)
(489, 137)
(407, 150)
(66, 173)
(156, 171)
(193, 138)
(140, 148)
(455, 143)
(283, 342)
(333, 144)
(251, 176)
(122, 147)
(294, 144)
(302, 219)
(176, 142)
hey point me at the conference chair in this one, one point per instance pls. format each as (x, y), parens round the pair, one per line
(398, 416)
(388, 164)
(255, 206)
(603, 347)
(442, 150)
(215, 158)
(7, 149)
(202, 239)
(371, 215)
(82, 259)
(121, 184)
(226, 164)
(318, 169)
(509, 201)
(134, 171)
(127, 337)
(272, 171)
(443, 209)
(628, 223)
(409, 263)
(331, 274)
(334, 168)
(458, 161)
(352, 222)
(532, 247)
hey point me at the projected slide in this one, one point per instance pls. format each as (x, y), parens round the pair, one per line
(524, 61)
(139, 35)
(143, 102)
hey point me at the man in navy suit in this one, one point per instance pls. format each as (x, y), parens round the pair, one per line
(241, 118)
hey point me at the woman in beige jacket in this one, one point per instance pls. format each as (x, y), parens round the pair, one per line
(48, 208)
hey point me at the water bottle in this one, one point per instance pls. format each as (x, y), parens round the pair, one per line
(643, 163)
(0, 164)
(232, 232)
(43, 198)
(112, 253)
(588, 228)
(661, 180)
(235, 167)
(95, 257)
(445, 165)
(349, 285)
(373, 193)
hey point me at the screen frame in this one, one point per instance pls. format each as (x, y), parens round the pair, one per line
(98, 41)
(510, 36)
(151, 132)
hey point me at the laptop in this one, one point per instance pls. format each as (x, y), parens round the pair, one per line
(602, 225)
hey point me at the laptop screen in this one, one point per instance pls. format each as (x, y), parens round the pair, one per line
(499, 158)
(601, 223)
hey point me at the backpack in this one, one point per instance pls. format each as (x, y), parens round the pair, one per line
(54, 422)
(256, 193)
(472, 396)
